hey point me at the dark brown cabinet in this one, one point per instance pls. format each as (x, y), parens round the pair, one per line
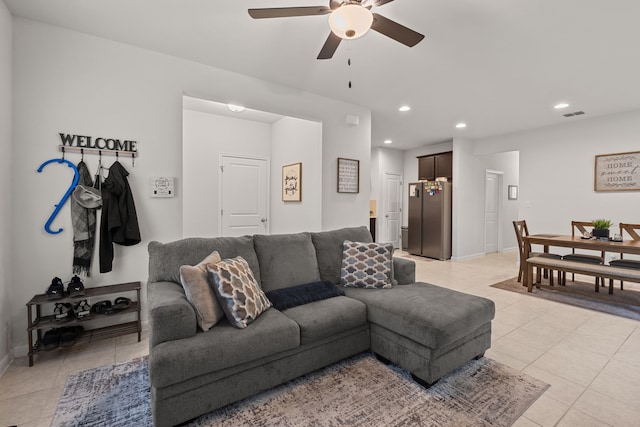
(435, 165)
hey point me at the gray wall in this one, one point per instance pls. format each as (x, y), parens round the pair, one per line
(6, 144)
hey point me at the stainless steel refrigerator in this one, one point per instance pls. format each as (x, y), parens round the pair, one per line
(429, 229)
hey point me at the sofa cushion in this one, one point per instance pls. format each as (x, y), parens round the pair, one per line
(238, 292)
(165, 259)
(222, 347)
(286, 260)
(199, 293)
(322, 319)
(302, 294)
(428, 314)
(366, 265)
(328, 245)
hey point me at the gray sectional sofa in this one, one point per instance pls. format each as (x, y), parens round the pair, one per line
(425, 329)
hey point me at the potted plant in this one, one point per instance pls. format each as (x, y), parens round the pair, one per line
(601, 228)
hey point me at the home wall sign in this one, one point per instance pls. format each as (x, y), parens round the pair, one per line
(292, 182)
(348, 175)
(617, 172)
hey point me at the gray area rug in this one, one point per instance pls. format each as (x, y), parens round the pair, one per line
(359, 391)
(623, 303)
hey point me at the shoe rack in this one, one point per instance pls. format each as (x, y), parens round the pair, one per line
(39, 322)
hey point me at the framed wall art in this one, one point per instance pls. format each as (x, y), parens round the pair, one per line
(348, 175)
(617, 172)
(292, 183)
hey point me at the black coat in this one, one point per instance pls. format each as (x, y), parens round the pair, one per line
(119, 222)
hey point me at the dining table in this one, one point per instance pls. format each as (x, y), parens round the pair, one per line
(579, 242)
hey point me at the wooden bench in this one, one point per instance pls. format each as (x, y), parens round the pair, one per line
(597, 270)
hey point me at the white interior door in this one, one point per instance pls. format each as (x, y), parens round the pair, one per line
(492, 211)
(244, 192)
(392, 202)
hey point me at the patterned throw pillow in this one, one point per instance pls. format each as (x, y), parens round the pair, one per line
(200, 294)
(366, 265)
(237, 291)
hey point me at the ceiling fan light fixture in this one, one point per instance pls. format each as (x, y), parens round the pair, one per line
(350, 21)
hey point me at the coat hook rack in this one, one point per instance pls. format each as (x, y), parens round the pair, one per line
(98, 151)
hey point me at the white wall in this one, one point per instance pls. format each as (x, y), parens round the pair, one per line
(296, 140)
(205, 137)
(66, 81)
(556, 175)
(6, 65)
(469, 172)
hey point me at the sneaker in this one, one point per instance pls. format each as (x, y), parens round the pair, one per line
(63, 312)
(76, 287)
(82, 310)
(55, 289)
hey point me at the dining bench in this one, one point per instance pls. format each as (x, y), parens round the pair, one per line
(597, 270)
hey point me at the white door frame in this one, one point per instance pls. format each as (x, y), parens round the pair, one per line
(242, 156)
(385, 197)
(500, 178)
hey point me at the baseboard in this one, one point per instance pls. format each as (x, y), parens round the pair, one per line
(21, 350)
(512, 249)
(462, 258)
(5, 363)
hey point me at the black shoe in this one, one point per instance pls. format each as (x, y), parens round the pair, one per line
(63, 311)
(51, 339)
(55, 289)
(69, 335)
(76, 287)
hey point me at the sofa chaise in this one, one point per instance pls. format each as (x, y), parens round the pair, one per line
(425, 329)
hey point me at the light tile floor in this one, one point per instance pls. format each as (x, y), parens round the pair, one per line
(591, 359)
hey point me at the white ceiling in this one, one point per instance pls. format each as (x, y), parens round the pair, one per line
(498, 65)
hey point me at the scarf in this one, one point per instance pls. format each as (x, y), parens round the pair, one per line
(83, 221)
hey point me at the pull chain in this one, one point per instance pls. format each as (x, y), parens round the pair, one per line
(349, 62)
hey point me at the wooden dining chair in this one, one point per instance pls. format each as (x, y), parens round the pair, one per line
(522, 231)
(580, 228)
(633, 230)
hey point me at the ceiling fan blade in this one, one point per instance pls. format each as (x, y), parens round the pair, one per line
(329, 47)
(285, 12)
(398, 32)
(334, 4)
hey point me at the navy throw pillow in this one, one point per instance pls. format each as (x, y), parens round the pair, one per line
(302, 294)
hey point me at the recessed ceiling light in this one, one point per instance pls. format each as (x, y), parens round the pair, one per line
(388, 141)
(404, 108)
(461, 125)
(561, 105)
(235, 108)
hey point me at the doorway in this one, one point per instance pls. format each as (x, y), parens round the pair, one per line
(493, 211)
(244, 195)
(392, 208)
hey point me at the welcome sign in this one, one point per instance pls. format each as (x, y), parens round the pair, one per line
(617, 172)
(99, 143)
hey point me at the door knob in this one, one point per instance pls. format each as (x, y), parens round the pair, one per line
(263, 220)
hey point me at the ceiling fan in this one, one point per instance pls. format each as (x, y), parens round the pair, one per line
(349, 19)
